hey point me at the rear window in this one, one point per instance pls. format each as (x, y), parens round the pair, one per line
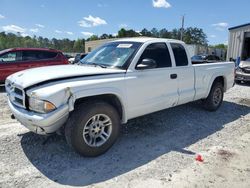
(180, 54)
(38, 55)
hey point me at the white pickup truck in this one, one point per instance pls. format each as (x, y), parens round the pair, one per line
(119, 81)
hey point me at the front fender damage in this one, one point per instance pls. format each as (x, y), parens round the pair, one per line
(71, 98)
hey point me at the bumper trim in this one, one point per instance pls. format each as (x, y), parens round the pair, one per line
(242, 77)
(41, 123)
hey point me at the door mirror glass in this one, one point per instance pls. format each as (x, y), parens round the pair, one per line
(146, 64)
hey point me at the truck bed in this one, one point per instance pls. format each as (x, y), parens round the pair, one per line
(204, 76)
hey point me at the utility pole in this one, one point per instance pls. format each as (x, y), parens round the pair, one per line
(182, 26)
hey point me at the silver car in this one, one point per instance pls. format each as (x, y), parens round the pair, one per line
(243, 71)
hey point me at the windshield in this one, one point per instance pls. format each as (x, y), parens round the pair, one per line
(114, 54)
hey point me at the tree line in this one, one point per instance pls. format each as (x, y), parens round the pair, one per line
(191, 35)
(10, 40)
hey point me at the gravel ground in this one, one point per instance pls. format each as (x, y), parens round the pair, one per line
(156, 150)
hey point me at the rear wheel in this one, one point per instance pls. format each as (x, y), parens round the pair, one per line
(215, 97)
(92, 128)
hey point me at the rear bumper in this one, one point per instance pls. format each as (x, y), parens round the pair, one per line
(42, 124)
(242, 77)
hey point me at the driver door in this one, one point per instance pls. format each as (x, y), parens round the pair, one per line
(152, 89)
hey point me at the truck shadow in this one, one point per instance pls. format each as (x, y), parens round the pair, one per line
(244, 84)
(142, 140)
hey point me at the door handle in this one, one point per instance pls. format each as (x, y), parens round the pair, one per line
(173, 76)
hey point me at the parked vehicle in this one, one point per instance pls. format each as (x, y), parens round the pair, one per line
(198, 59)
(71, 60)
(17, 59)
(117, 82)
(78, 58)
(68, 56)
(243, 71)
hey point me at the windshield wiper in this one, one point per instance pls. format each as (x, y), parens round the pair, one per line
(96, 65)
(100, 65)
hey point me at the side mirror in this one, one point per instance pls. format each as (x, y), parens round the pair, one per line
(146, 64)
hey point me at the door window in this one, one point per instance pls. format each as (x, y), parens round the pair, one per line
(30, 55)
(8, 57)
(180, 54)
(47, 55)
(159, 53)
(33, 55)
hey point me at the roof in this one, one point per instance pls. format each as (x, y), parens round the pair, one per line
(239, 26)
(146, 39)
(40, 49)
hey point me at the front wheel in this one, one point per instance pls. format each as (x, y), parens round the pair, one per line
(92, 128)
(215, 97)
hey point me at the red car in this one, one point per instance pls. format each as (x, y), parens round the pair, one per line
(17, 59)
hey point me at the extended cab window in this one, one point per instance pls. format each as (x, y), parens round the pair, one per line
(180, 54)
(159, 53)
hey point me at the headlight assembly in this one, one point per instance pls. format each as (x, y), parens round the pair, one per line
(238, 69)
(40, 106)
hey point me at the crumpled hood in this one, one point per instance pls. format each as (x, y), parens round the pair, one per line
(34, 76)
(244, 64)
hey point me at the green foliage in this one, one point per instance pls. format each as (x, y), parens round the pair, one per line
(195, 36)
(78, 45)
(9, 40)
(191, 35)
(127, 33)
(163, 33)
(146, 33)
(220, 46)
(93, 37)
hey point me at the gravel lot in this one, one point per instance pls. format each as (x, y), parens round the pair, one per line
(157, 150)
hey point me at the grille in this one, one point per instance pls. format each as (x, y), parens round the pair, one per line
(246, 70)
(16, 95)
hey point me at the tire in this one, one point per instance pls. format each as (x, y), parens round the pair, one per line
(89, 125)
(215, 97)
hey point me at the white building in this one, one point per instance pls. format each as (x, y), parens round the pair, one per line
(239, 42)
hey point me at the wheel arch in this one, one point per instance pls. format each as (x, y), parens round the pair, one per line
(218, 78)
(110, 98)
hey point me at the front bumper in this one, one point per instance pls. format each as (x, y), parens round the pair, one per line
(41, 123)
(240, 76)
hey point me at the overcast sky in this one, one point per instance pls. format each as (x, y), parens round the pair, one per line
(81, 18)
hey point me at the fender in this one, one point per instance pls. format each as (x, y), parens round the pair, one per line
(97, 92)
(212, 79)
